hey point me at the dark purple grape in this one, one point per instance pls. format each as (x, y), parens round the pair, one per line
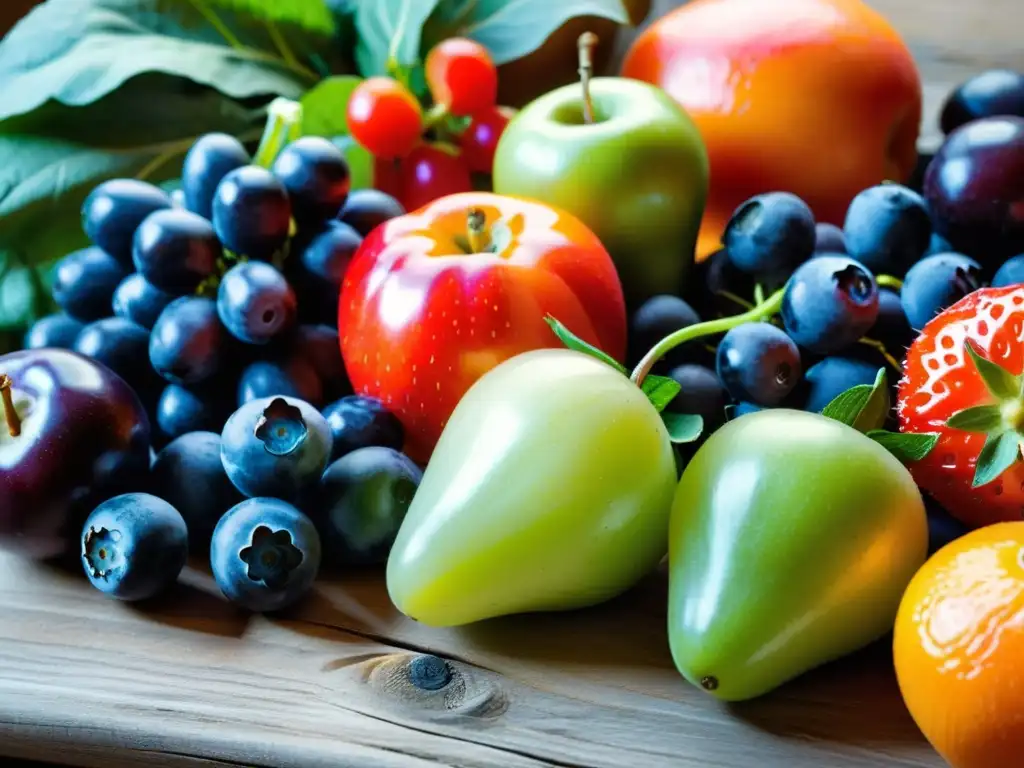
(292, 377)
(115, 209)
(176, 250)
(367, 209)
(252, 213)
(140, 301)
(211, 158)
(188, 343)
(989, 94)
(84, 283)
(316, 175)
(57, 331)
(320, 269)
(123, 347)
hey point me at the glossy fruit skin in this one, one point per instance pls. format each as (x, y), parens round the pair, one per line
(463, 314)
(58, 331)
(461, 75)
(830, 302)
(770, 234)
(252, 212)
(255, 302)
(322, 266)
(181, 410)
(189, 475)
(828, 238)
(830, 377)
(974, 187)
(293, 376)
(957, 646)
(210, 159)
(939, 381)
(480, 139)
(115, 209)
(646, 207)
(758, 362)
(361, 502)
(1010, 273)
(768, 607)
(385, 117)
(265, 554)
(887, 228)
(134, 546)
(762, 81)
(138, 300)
(937, 282)
(188, 341)
(176, 250)
(84, 439)
(429, 173)
(536, 500)
(316, 176)
(360, 422)
(276, 446)
(84, 282)
(122, 346)
(655, 319)
(702, 394)
(988, 94)
(367, 209)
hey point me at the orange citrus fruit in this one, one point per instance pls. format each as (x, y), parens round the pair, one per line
(959, 648)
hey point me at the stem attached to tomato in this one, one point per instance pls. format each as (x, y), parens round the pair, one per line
(10, 413)
(479, 239)
(761, 312)
(586, 44)
(284, 125)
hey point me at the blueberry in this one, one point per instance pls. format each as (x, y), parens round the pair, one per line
(316, 176)
(935, 283)
(1010, 273)
(770, 234)
(988, 94)
(717, 285)
(830, 302)
(832, 376)
(938, 244)
(176, 250)
(367, 209)
(189, 475)
(122, 346)
(84, 283)
(943, 528)
(741, 409)
(210, 159)
(264, 554)
(887, 228)
(55, 331)
(360, 503)
(115, 209)
(828, 238)
(758, 362)
(134, 546)
(188, 341)
(252, 212)
(140, 301)
(181, 410)
(277, 446)
(702, 394)
(321, 268)
(255, 302)
(320, 347)
(294, 376)
(891, 328)
(655, 319)
(357, 421)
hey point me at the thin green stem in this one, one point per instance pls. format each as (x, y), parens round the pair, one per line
(434, 116)
(761, 312)
(216, 23)
(283, 116)
(758, 293)
(735, 299)
(888, 281)
(880, 347)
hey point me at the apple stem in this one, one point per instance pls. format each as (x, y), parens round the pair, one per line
(11, 414)
(586, 43)
(477, 229)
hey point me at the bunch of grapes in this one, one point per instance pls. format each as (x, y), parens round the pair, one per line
(421, 155)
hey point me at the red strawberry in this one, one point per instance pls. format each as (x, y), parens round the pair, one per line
(962, 380)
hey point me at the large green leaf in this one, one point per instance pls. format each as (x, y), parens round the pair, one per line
(78, 51)
(308, 14)
(511, 29)
(325, 106)
(389, 33)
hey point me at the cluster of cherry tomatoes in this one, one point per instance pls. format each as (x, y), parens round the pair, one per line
(418, 156)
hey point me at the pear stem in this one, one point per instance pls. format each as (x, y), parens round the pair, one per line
(10, 413)
(586, 44)
(477, 230)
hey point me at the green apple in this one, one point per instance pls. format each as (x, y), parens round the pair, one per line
(637, 175)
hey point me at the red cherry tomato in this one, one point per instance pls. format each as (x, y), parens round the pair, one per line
(480, 139)
(423, 314)
(385, 117)
(461, 75)
(430, 172)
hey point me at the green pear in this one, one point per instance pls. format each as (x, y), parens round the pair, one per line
(550, 489)
(792, 540)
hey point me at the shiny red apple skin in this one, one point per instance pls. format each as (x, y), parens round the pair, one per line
(84, 438)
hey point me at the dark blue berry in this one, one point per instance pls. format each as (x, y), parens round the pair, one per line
(176, 250)
(255, 302)
(828, 238)
(935, 283)
(357, 421)
(181, 410)
(1010, 273)
(321, 268)
(57, 331)
(134, 546)
(892, 328)
(140, 301)
(367, 209)
(702, 394)
(276, 446)
(293, 376)
(320, 347)
(832, 376)
(115, 209)
(264, 554)
(84, 283)
(655, 319)
(719, 288)
(758, 362)
(993, 93)
(316, 175)
(939, 244)
(887, 228)
(188, 342)
(210, 159)
(252, 212)
(122, 346)
(830, 302)
(770, 234)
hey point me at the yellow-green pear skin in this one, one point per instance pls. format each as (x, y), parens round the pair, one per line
(792, 540)
(550, 489)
